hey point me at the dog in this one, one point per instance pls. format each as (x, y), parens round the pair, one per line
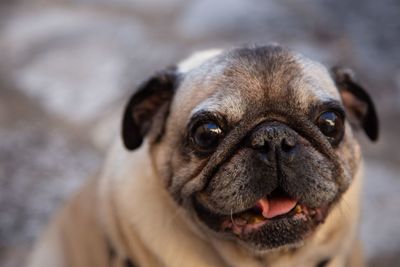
(240, 157)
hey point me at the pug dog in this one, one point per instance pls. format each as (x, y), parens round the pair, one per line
(243, 157)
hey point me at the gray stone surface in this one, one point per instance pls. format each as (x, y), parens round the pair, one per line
(42, 162)
(66, 67)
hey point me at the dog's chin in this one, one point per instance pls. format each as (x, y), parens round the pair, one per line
(287, 225)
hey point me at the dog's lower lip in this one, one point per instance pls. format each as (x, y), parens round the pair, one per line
(253, 218)
(245, 222)
(290, 228)
(275, 204)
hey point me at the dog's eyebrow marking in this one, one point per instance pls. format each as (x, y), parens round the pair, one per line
(230, 106)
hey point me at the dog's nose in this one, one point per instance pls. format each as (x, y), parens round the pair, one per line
(274, 140)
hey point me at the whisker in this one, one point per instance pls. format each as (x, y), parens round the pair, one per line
(233, 222)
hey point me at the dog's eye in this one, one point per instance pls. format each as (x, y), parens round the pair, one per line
(207, 135)
(331, 125)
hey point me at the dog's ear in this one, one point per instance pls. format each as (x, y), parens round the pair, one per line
(358, 104)
(153, 96)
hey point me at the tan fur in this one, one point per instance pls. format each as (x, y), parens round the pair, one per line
(131, 209)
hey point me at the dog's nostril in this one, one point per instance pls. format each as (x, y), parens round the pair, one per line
(260, 145)
(287, 144)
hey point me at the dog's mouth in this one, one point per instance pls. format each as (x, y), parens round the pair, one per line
(276, 218)
(268, 209)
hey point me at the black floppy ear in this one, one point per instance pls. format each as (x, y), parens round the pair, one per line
(357, 102)
(152, 96)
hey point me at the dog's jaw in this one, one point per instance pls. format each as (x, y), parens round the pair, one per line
(333, 239)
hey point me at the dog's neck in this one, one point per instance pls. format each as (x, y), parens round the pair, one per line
(142, 221)
(158, 234)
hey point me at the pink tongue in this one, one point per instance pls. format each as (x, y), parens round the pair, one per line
(276, 206)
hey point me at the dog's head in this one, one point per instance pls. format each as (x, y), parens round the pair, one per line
(255, 143)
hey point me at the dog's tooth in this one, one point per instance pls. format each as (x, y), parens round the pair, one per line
(256, 219)
(298, 209)
(259, 218)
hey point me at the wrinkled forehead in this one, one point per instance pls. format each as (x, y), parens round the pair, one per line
(237, 81)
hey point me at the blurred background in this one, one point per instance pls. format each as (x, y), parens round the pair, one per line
(68, 66)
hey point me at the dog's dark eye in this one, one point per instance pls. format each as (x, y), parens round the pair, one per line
(207, 135)
(331, 125)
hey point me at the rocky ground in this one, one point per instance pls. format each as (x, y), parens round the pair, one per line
(67, 66)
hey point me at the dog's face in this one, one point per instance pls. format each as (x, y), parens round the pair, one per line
(255, 143)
